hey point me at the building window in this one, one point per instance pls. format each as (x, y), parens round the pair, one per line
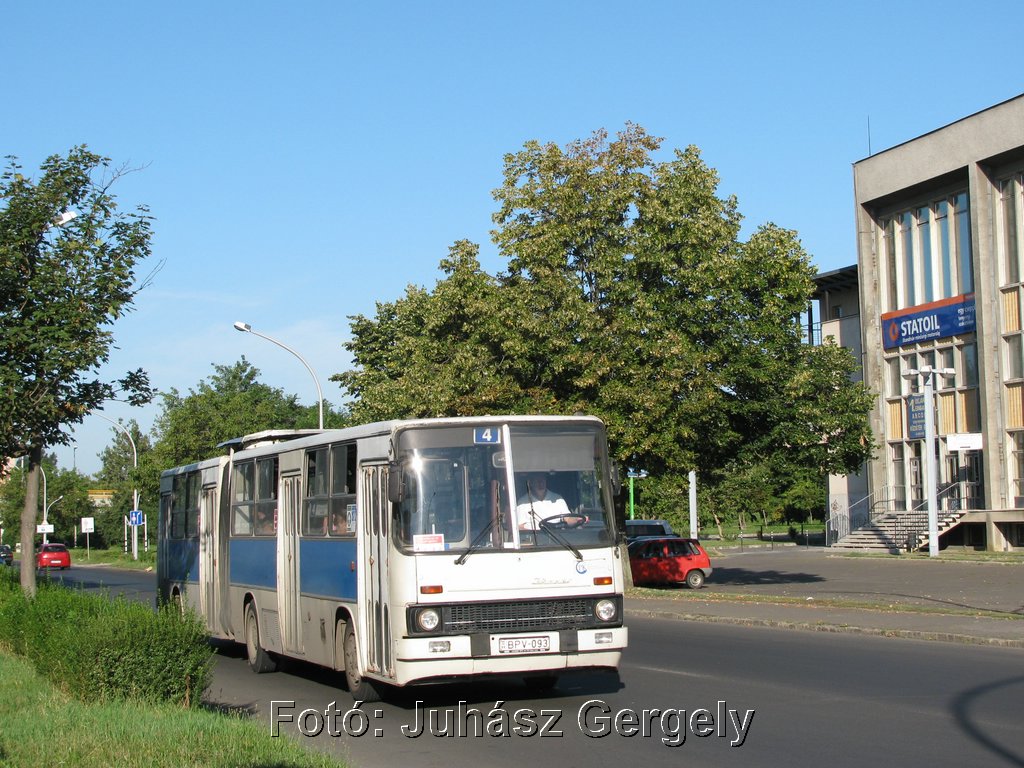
(1009, 225)
(1014, 359)
(928, 256)
(963, 243)
(1017, 467)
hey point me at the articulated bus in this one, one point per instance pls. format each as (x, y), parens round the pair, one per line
(404, 552)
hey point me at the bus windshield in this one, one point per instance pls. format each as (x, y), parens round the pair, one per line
(508, 487)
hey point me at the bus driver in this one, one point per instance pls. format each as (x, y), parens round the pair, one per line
(538, 503)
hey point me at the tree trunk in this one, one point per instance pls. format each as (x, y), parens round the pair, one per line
(28, 522)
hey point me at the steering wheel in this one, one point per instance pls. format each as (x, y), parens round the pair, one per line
(565, 521)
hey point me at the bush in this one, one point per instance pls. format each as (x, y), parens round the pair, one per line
(100, 648)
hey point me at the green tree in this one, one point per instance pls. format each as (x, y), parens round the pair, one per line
(62, 285)
(629, 294)
(67, 496)
(230, 403)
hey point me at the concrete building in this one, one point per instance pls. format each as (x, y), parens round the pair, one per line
(940, 259)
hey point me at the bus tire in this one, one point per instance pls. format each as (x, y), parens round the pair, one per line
(360, 688)
(260, 661)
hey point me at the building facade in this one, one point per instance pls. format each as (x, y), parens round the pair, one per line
(940, 259)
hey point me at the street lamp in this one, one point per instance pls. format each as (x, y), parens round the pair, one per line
(638, 475)
(135, 491)
(926, 373)
(246, 328)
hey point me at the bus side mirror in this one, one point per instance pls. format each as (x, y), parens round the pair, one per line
(396, 483)
(616, 480)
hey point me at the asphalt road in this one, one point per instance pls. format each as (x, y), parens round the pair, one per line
(815, 698)
(815, 572)
(789, 699)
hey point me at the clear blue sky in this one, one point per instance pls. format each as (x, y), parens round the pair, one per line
(305, 160)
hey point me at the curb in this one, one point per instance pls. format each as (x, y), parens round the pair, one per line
(910, 634)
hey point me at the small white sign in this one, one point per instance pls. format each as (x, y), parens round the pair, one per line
(428, 542)
(966, 441)
(44, 528)
(88, 524)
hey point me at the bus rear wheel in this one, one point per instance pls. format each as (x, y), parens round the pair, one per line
(260, 661)
(360, 688)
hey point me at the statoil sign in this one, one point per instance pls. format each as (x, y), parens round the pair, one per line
(937, 320)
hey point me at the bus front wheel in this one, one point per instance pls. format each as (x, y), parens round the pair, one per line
(360, 688)
(259, 660)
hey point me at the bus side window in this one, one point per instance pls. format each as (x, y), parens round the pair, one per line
(314, 507)
(242, 496)
(241, 521)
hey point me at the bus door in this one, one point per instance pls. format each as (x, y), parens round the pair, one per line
(376, 613)
(209, 534)
(288, 564)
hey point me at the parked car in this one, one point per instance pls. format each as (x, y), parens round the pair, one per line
(637, 528)
(53, 556)
(669, 560)
(6, 554)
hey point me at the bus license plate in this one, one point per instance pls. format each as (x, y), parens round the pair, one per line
(523, 644)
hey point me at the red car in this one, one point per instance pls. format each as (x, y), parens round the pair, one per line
(669, 560)
(53, 556)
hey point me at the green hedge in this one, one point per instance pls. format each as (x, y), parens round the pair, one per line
(99, 648)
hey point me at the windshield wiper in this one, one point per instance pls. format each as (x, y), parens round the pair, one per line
(557, 537)
(476, 543)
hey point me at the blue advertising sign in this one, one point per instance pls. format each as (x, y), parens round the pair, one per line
(915, 417)
(936, 320)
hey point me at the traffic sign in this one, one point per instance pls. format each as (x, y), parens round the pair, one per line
(44, 528)
(88, 524)
(135, 517)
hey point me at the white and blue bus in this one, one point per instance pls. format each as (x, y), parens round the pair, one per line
(404, 552)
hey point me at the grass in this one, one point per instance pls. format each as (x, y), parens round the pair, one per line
(43, 726)
(116, 557)
(881, 605)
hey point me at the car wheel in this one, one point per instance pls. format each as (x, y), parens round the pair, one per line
(360, 688)
(260, 661)
(695, 579)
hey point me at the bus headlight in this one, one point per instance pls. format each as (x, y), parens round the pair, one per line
(428, 619)
(605, 610)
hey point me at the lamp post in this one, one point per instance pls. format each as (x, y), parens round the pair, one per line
(246, 328)
(46, 513)
(135, 490)
(45, 507)
(926, 372)
(634, 474)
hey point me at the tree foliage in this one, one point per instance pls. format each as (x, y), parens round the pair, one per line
(62, 285)
(629, 294)
(230, 403)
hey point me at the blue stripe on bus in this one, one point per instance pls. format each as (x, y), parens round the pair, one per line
(182, 560)
(325, 568)
(253, 562)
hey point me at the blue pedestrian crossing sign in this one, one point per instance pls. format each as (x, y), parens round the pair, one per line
(135, 517)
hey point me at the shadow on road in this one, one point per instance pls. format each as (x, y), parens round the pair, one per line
(972, 723)
(742, 577)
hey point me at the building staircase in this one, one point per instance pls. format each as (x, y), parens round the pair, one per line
(874, 525)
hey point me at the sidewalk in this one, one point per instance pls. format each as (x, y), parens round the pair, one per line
(814, 590)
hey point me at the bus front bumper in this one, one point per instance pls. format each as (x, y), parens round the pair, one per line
(527, 653)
